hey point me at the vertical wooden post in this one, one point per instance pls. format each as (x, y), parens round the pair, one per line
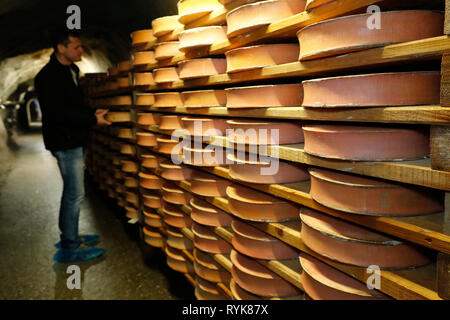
(440, 160)
(440, 147)
(447, 17)
(443, 261)
(445, 79)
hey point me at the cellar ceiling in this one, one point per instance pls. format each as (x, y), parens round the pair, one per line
(25, 27)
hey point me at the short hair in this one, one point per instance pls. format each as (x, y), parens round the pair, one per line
(61, 36)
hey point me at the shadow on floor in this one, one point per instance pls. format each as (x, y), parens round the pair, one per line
(154, 258)
(178, 285)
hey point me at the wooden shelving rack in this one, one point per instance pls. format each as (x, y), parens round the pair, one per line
(432, 231)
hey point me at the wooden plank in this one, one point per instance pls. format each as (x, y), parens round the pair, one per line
(188, 233)
(224, 261)
(417, 172)
(218, 16)
(408, 284)
(406, 114)
(420, 50)
(190, 279)
(447, 17)
(188, 255)
(445, 79)
(443, 260)
(412, 172)
(289, 270)
(440, 148)
(223, 287)
(224, 233)
(427, 231)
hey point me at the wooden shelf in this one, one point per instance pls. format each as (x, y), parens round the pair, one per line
(406, 114)
(418, 283)
(431, 231)
(432, 48)
(285, 27)
(417, 172)
(414, 51)
(407, 284)
(224, 261)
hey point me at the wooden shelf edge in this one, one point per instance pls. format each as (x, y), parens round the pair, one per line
(432, 114)
(190, 279)
(417, 172)
(403, 230)
(224, 261)
(431, 48)
(404, 171)
(224, 288)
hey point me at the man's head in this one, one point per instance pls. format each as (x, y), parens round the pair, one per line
(68, 46)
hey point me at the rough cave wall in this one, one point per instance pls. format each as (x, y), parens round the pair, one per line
(20, 69)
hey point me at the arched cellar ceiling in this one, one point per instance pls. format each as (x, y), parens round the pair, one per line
(106, 25)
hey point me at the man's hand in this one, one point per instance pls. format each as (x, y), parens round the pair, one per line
(100, 115)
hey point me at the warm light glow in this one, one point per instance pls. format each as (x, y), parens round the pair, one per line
(21, 68)
(95, 63)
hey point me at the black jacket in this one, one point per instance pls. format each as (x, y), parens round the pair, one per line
(66, 119)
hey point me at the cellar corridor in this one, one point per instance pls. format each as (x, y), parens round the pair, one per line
(29, 200)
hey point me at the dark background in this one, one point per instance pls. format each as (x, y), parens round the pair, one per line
(25, 24)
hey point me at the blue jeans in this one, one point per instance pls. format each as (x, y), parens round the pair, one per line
(71, 166)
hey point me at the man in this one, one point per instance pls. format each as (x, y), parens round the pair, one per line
(65, 127)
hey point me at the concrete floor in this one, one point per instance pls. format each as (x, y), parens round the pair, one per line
(30, 189)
